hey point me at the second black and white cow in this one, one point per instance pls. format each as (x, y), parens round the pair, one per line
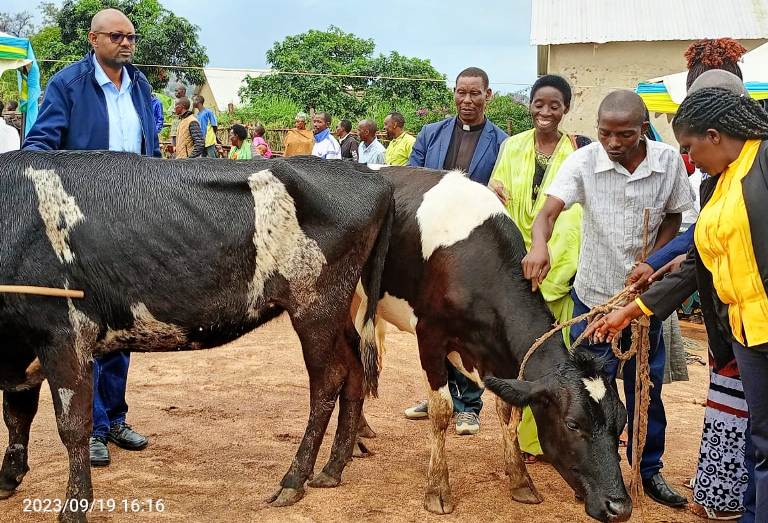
(182, 255)
(453, 278)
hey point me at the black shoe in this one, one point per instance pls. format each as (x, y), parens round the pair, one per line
(659, 490)
(126, 438)
(99, 452)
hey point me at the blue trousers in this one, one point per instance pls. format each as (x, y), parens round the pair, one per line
(650, 462)
(110, 375)
(753, 367)
(467, 396)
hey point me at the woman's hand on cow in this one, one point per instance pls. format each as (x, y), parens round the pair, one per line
(669, 267)
(606, 328)
(536, 265)
(499, 190)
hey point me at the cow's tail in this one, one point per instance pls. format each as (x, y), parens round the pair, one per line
(371, 281)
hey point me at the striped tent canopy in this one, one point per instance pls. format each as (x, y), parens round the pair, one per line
(658, 100)
(665, 94)
(16, 53)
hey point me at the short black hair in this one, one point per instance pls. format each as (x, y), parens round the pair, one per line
(346, 125)
(240, 131)
(2, 106)
(624, 101)
(556, 82)
(13, 105)
(184, 102)
(198, 99)
(474, 72)
(259, 130)
(325, 116)
(398, 118)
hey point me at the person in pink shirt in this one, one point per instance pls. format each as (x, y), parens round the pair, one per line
(259, 146)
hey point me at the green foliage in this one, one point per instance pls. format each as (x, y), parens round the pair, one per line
(335, 52)
(269, 110)
(509, 114)
(166, 39)
(9, 89)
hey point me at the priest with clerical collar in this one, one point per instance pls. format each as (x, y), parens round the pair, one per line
(469, 141)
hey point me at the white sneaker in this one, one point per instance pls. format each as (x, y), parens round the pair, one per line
(467, 423)
(418, 411)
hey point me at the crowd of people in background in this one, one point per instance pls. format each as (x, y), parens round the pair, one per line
(562, 190)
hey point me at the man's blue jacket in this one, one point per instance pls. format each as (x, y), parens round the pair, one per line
(74, 112)
(432, 145)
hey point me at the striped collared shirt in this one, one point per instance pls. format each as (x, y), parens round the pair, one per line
(613, 202)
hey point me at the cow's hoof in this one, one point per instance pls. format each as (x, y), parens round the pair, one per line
(72, 517)
(361, 450)
(526, 495)
(285, 497)
(437, 504)
(5, 494)
(324, 480)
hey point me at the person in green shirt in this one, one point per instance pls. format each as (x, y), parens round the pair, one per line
(399, 149)
(241, 144)
(526, 165)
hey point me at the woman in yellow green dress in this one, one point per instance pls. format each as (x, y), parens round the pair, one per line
(526, 165)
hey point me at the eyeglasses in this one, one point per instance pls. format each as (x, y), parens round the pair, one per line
(117, 38)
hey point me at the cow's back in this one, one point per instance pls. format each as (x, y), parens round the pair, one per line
(199, 244)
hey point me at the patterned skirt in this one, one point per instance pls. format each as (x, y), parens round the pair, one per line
(721, 477)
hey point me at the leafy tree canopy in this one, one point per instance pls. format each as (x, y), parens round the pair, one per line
(353, 82)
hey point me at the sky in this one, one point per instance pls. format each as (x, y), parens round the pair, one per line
(492, 34)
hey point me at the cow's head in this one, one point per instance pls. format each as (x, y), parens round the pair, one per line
(579, 418)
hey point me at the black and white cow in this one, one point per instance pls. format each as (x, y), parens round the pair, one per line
(453, 278)
(182, 255)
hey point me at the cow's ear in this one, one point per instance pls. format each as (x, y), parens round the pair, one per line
(515, 392)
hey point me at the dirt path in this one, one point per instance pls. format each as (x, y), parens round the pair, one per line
(225, 424)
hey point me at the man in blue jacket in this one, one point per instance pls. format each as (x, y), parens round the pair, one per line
(468, 142)
(102, 102)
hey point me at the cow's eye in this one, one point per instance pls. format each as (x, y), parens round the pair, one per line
(572, 425)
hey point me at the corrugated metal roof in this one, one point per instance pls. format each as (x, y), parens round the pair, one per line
(600, 21)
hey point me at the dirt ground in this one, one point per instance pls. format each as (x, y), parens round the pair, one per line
(225, 424)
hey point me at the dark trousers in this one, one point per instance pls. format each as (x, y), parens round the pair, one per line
(650, 463)
(753, 367)
(465, 392)
(210, 151)
(110, 375)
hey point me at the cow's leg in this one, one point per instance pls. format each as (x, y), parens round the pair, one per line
(350, 409)
(326, 377)
(69, 368)
(432, 352)
(521, 485)
(19, 409)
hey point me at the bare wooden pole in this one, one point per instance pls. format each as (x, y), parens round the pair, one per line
(42, 291)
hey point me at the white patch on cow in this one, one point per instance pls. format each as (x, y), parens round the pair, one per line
(452, 209)
(85, 333)
(65, 395)
(58, 210)
(281, 245)
(455, 359)
(398, 312)
(376, 166)
(595, 387)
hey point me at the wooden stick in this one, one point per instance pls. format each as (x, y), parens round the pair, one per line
(42, 291)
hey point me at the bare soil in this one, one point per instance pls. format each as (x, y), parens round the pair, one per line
(225, 424)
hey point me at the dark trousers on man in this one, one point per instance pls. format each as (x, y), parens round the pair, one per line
(753, 368)
(110, 375)
(650, 463)
(467, 396)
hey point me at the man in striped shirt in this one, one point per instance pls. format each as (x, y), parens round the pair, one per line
(615, 180)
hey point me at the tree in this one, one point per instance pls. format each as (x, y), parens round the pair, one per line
(508, 113)
(166, 39)
(17, 24)
(350, 80)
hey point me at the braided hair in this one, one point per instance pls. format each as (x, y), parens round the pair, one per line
(720, 53)
(716, 108)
